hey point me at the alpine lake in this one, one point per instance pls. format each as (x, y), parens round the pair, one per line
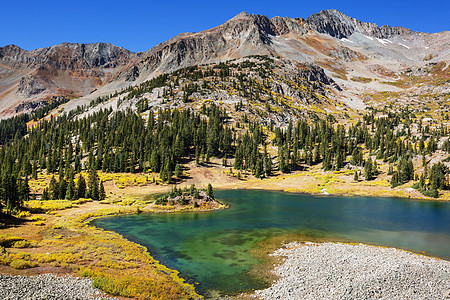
(216, 250)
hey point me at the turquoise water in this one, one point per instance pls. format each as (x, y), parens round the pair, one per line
(211, 249)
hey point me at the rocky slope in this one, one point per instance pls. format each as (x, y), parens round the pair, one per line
(360, 57)
(344, 271)
(69, 70)
(315, 39)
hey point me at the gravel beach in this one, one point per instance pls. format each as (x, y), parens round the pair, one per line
(348, 271)
(48, 286)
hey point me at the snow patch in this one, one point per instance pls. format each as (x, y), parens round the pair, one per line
(370, 38)
(403, 45)
(274, 38)
(346, 40)
(382, 41)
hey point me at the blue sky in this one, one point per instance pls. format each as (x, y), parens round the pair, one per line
(140, 25)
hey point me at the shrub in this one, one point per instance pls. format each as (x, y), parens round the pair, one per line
(36, 205)
(161, 200)
(431, 193)
(8, 241)
(23, 214)
(24, 244)
(37, 218)
(184, 201)
(22, 264)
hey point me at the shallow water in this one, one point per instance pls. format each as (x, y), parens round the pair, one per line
(212, 248)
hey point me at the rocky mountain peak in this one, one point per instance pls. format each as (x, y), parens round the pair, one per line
(12, 53)
(78, 69)
(240, 16)
(10, 50)
(339, 25)
(85, 55)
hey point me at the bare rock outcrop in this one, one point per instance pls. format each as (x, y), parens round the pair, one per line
(30, 86)
(338, 25)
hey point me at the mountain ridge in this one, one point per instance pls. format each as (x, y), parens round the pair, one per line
(342, 45)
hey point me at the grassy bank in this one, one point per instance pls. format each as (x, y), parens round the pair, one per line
(56, 237)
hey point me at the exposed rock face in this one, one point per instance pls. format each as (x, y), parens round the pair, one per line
(338, 25)
(241, 36)
(30, 86)
(132, 74)
(291, 38)
(284, 25)
(69, 69)
(73, 56)
(11, 54)
(66, 56)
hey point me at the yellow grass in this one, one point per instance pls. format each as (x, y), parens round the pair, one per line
(116, 265)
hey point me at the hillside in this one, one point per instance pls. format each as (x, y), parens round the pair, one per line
(362, 58)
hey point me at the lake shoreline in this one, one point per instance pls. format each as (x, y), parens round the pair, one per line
(345, 189)
(65, 236)
(80, 217)
(304, 272)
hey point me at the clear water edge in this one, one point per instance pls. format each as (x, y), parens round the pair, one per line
(213, 249)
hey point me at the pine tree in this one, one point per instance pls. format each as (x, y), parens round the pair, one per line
(44, 194)
(70, 192)
(209, 191)
(102, 193)
(422, 182)
(355, 178)
(197, 157)
(268, 165)
(339, 160)
(25, 190)
(62, 189)
(10, 193)
(390, 170)
(178, 171)
(405, 170)
(437, 176)
(81, 187)
(316, 154)
(196, 194)
(34, 171)
(168, 175)
(368, 173)
(192, 189)
(53, 188)
(93, 185)
(375, 167)
(395, 180)
(2, 194)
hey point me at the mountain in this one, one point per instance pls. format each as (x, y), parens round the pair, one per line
(70, 70)
(362, 58)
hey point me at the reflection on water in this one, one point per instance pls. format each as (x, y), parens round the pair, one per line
(213, 248)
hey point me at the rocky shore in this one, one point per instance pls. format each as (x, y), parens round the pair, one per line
(48, 286)
(348, 271)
